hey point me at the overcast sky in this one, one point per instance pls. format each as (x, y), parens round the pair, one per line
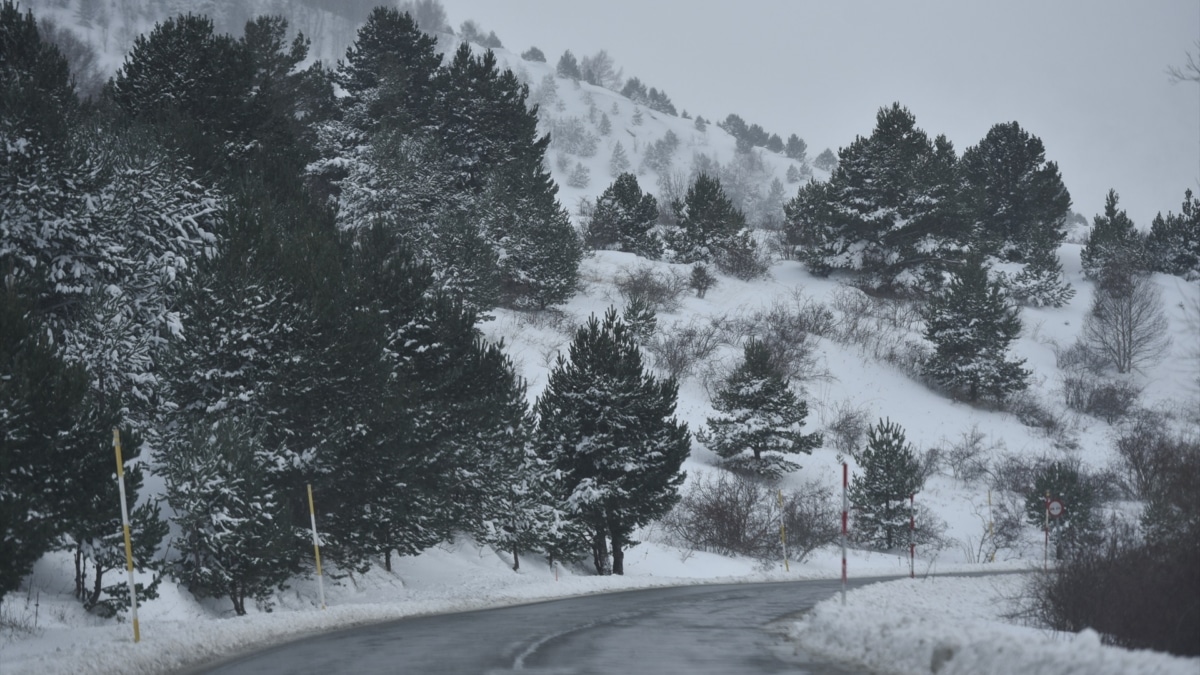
(1086, 76)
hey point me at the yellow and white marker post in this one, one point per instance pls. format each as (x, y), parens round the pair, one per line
(783, 534)
(312, 516)
(137, 633)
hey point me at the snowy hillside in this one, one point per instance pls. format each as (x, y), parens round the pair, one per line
(859, 368)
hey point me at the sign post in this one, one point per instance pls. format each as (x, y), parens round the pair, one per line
(137, 633)
(845, 519)
(312, 516)
(912, 533)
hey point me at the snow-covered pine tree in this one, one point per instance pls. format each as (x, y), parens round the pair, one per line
(235, 539)
(607, 428)
(971, 324)
(760, 418)
(891, 473)
(1014, 198)
(1113, 241)
(1173, 244)
(1065, 482)
(624, 219)
(707, 221)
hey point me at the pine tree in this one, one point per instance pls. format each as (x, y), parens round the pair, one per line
(235, 541)
(760, 415)
(606, 129)
(624, 218)
(889, 211)
(796, 149)
(391, 73)
(1113, 241)
(1014, 197)
(1065, 483)
(708, 221)
(1173, 245)
(891, 474)
(579, 176)
(971, 324)
(568, 66)
(826, 161)
(618, 163)
(607, 428)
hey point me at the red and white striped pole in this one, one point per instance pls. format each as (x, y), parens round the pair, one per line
(1046, 543)
(845, 520)
(912, 533)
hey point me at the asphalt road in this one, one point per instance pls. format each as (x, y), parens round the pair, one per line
(693, 630)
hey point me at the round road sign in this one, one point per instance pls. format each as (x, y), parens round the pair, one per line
(1055, 508)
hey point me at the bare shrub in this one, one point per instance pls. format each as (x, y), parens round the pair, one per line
(734, 515)
(1127, 325)
(1078, 357)
(1002, 528)
(886, 329)
(847, 428)
(660, 289)
(785, 328)
(1108, 399)
(678, 349)
(1032, 412)
(1148, 449)
(970, 455)
(1135, 594)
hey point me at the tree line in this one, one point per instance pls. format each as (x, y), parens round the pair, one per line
(269, 276)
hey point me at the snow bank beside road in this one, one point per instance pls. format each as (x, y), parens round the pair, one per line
(952, 626)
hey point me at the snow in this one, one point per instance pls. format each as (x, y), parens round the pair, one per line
(952, 626)
(896, 627)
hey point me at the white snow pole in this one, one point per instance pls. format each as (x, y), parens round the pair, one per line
(1046, 542)
(912, 531)
(137, 632)
(845, 520)
(783, 534)
(312, 516)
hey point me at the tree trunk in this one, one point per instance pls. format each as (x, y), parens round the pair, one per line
(618, 554)
(387, 560)
(94, 596)
(600, 554)
(516, 560)
(79, 572)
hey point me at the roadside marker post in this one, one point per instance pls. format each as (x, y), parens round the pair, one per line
(783, 534)
(312, 516)
(845, 518)
(133, 605)
(912, 532)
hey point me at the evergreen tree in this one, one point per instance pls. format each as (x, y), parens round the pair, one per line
(607, 428)
(971, 324)
(235, 539)
(568, 66)
(1065, 483)
(606, 129)
(888, 212)
(534, 54)
(891, 474)
(624, 219)
(1173, 245)
(708, 222)
(390, 73)
(1113, 241)
(1015, 199)
(761, 415)
(826, 161)
(618, 163)
(793, 174)
(796, 149)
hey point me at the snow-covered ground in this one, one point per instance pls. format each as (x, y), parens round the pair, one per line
(896, 625)
(951, 626)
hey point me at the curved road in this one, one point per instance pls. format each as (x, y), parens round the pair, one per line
(692, 630)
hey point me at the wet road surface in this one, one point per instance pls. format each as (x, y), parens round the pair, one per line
(692, 630)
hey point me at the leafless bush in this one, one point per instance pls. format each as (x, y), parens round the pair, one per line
(1126, 325)
(1032, 412)
(552, 318)
(1002, 528)
(785, 329)
(970, 456)
(1078, 357)
(886, 329)
(1135, 594)
(661, 289)
(1148, 449)
(848, 427)
(678, 349)
(1101, 397)
(734, 515)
